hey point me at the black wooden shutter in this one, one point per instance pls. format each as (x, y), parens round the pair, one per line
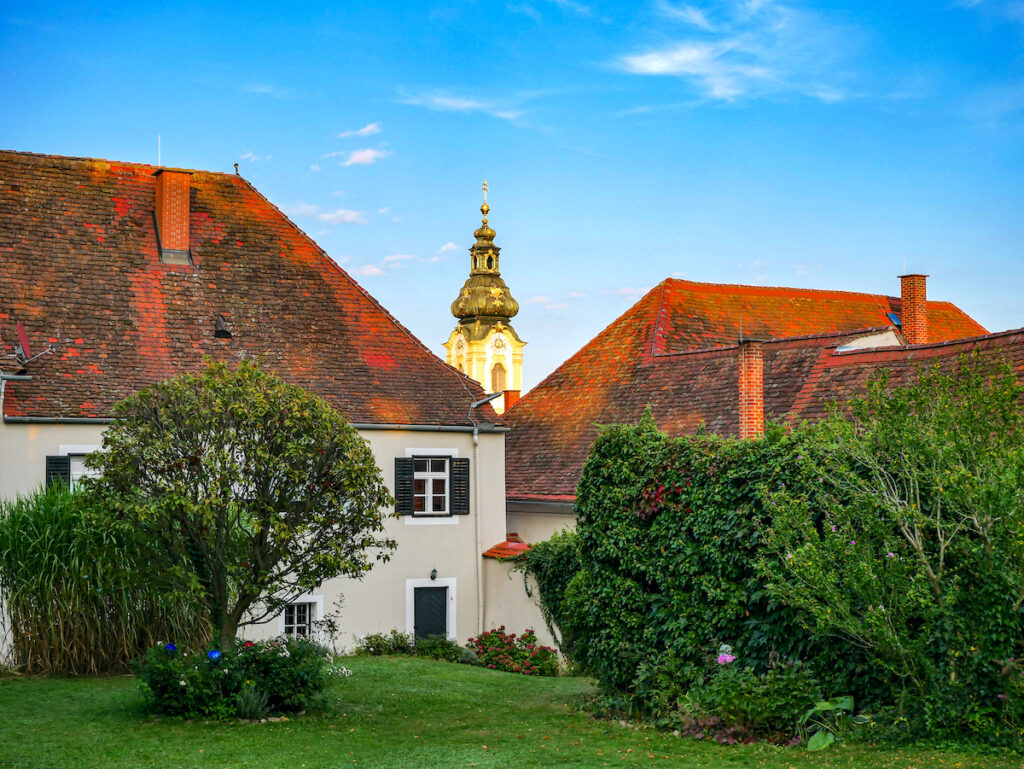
(58, 471)
(460, 486)
(403, 485)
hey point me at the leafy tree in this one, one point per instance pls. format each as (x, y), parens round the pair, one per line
(251, 490)
(906, 537)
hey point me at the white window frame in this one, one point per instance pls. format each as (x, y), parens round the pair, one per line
(317, 612)
(77, 451)
(429, 476)
(429, 519)
(450, 625)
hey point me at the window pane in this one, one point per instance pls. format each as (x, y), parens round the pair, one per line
(419, 465)
(419, 504)
(438, 486)
(419, 486)
(437, 465)
(439, 504)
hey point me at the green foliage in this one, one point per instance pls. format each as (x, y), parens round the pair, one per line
(438, 647)
(671, 529)
(284, 675)
(829, 721)
(498, 650)
(76, 588)
(251, 490)
(906, 539)
(552, 564)
(381, 644)
(766, 703)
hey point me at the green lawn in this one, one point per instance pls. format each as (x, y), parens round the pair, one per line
(392, 713)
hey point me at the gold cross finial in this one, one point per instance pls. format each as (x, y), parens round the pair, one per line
(485, 190)
(485, 209)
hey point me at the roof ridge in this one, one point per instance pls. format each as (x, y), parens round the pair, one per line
(782, 288)
(46, 155)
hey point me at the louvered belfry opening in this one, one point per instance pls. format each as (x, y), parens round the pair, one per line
(173, 209)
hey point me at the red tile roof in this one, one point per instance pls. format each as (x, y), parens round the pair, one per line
(506, 549)
(675, 350)
(81, 269)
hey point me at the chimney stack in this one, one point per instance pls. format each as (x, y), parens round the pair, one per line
(511, 398)
(751, 392)
(173, 203)
(914, 308)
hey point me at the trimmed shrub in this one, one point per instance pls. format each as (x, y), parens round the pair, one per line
(284, 675)
(381, 644)
(498, 650)
(438, 647)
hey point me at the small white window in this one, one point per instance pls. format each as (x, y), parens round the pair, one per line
(298, 619)
(430, 486)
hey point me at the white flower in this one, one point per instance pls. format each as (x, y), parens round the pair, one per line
(182, 682)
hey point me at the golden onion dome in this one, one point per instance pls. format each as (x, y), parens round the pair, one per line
(484, 295)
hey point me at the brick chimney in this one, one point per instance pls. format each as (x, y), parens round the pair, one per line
(511, 398)
(751, 391)
(914, 312)
(172, 213)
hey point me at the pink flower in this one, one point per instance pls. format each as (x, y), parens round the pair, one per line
(725, 659)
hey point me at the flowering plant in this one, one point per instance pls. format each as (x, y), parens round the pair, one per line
(499, 650)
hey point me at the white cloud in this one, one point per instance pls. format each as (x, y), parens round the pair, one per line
(365, 157)
(367, 269)
(253, 157)
(267, 89)
(301, 209)
(315, 167)
(730, 50)
(576, 295)
(342, 216)
(525, 10)
(367, 130)
(398, 257)
(571, 5)
(442, 102)
(539, 300)
(449, 246)
(627, 291)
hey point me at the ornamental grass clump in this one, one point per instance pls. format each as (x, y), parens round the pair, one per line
(283, 675)
(498, 650)
(79, 595)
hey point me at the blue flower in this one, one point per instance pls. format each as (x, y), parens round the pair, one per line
(214, 655)
(170, 647)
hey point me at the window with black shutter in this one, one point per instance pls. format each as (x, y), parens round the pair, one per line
(431, 486)
(58, 471)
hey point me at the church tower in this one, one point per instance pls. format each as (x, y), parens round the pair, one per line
(484, 345)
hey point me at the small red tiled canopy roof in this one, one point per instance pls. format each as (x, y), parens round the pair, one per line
(675, 350)
(82, 271)
(506, 549)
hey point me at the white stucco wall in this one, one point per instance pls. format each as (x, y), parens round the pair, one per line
(378, 602)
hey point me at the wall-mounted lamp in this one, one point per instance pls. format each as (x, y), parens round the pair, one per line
(433, 574)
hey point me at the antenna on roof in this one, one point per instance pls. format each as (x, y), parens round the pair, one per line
(23, 353)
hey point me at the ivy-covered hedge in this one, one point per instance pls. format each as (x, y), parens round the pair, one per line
(669, 535)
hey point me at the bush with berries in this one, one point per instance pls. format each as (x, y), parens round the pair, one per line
(499, 650)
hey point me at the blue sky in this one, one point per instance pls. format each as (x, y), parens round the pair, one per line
(778, 142)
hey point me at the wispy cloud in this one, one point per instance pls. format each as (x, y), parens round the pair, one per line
(539, 300)
(573, 7)
(627, 291)
(576, 295)
(367, 270)
(996, 104)
(365, 157)
(391, 258)
(449, 246)
(1005, 10)
(314, 167)
(730, 50)
(525, 10)
(367, 130)
(273, 91)
(252, 157)
(337, 216)
(444, 102)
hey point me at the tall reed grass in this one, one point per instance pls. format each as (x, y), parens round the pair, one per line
(79, 592)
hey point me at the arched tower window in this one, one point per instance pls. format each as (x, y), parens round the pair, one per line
(497, 378)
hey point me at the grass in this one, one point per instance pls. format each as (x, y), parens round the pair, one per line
(394, 712)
